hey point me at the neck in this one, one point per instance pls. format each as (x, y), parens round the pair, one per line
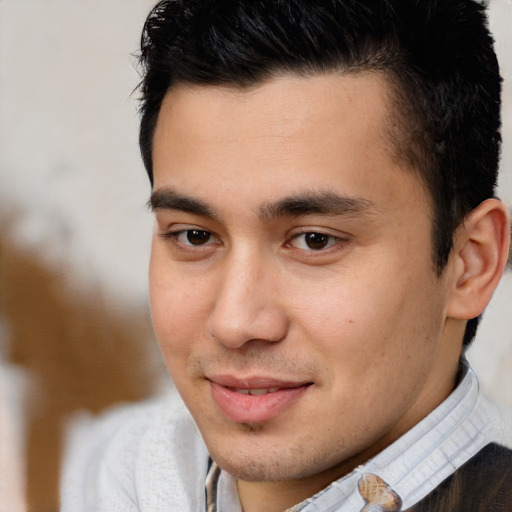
(274, 496)
(278, 496)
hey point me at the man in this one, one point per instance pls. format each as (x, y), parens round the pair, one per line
(326, 238)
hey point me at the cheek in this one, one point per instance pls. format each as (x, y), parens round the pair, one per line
(178, 304)
(370, 321)
(176, 313)
(349, 305)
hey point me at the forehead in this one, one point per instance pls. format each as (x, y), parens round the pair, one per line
(285, 106)
(288, 134)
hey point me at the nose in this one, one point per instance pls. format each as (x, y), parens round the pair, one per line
(248, 305)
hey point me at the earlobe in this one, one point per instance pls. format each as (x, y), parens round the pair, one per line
(481, 248)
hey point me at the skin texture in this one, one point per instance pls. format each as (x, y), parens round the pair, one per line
(364, 325)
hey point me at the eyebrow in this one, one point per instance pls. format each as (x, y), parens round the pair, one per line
(306, 203)
(168, 199)
(323, 203)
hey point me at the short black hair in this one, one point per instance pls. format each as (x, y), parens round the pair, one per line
(437, 55)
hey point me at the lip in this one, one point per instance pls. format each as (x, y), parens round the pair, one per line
(246, 408)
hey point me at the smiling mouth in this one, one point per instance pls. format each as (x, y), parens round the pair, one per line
(258, 401)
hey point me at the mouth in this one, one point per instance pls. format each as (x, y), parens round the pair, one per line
(255, 391)
(254, 400)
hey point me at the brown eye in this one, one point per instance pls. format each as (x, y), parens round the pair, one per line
(316, 241)
(191, 238)
(197, 237)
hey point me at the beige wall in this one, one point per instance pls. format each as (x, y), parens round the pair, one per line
(74, 324)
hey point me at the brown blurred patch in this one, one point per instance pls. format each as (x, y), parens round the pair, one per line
(83, 352)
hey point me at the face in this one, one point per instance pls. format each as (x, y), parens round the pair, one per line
(293, 291)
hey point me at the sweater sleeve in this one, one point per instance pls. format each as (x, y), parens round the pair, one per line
(98, 470)
(146, 457)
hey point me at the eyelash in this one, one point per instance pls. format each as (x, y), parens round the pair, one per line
(329, 240)
(174, 236)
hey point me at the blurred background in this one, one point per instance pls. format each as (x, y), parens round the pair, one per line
(75, 332)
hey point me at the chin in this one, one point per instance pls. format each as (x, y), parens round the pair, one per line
(250, 469)
(268, 463)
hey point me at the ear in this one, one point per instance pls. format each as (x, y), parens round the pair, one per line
(481, 248)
